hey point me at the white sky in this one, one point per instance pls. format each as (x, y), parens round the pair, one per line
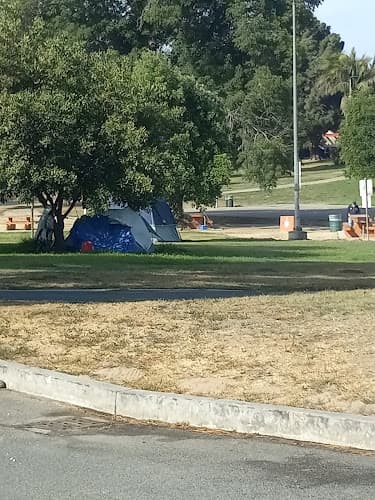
(354, 20)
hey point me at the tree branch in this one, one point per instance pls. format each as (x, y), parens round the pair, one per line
(42, 199)
(50, 200)
(72, 205)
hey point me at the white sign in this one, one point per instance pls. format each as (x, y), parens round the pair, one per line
(366, 187)
(369, 201)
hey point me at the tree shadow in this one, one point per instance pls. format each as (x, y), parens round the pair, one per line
(321, 168)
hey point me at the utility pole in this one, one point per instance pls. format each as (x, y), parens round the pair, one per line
(297, 234)
(32, 219)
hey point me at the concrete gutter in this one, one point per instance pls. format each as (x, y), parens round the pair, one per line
(350, 431)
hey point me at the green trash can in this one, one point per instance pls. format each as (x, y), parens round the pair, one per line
(335, 223)
(229, 201)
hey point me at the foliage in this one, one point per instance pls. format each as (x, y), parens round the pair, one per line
(266, 135)
(321, 111)
(183, 137)
(226, 43)
(357, 135)
(343, 74)
(105, 24)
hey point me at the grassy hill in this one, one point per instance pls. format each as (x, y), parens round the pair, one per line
(322, 184)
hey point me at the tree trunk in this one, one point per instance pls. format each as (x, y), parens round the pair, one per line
(52, 233)
(58, 232)
(58, 223)
(178, 208)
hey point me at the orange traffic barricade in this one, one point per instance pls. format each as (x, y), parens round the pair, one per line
(287, 223)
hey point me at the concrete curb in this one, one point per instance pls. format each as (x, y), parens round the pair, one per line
(351, 431)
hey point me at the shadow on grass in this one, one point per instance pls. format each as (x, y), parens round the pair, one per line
(322, 168)
(256, 265)
(258, 277)
(202, 252)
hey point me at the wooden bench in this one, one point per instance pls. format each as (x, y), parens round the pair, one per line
(349, 231)
(11, 225)
(358, 230)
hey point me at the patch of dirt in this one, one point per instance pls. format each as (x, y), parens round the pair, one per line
(20, 212)
(118, 374)
(274, 233)
(209, 386)
(314, 350)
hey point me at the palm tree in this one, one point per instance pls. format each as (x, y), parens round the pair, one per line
(344, 74)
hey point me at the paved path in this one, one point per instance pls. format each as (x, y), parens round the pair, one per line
(131, 295)
(263, 217)
(52, 451)
(286, 186)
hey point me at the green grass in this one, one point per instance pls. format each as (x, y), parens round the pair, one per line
(269, 266)
(13, 241)
(332, 193)
(311, 172)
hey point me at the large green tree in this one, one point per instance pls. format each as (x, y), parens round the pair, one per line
(78, 125)
(266, 151)
(357, 142)
(319, 111)
(226, 42)
(185, 138)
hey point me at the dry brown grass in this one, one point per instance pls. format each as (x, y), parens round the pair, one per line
(310, 350)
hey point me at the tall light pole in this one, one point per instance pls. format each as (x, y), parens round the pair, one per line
(297, 234)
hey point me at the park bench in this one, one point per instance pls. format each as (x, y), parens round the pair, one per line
(11, 224)
(358, 230)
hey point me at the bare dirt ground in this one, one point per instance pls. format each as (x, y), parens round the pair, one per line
(274, 233)
(20, 212)
(305, 350)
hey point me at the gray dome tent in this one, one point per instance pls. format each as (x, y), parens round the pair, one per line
(160, 218)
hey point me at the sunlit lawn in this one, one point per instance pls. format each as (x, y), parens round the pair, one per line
(262, 265)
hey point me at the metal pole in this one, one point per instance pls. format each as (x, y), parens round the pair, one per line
(297, 213)
(32, 219)
(367, 221)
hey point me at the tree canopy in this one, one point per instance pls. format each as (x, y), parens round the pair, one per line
(227, 44)
(266, 150)
(343, 74)
(357, 135)
(80, 125)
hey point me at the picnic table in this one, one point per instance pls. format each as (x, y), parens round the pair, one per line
(360, 222)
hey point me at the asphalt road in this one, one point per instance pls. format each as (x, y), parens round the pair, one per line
(75, 296)
(261, 217)
(51, 451)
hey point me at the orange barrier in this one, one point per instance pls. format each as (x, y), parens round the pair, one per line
(287, 223)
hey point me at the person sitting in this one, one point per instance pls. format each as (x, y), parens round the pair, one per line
(353, 209)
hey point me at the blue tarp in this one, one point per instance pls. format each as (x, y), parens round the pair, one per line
(105, 236)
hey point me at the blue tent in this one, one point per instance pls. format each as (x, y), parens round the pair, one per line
(105, 234)
(160, 218)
